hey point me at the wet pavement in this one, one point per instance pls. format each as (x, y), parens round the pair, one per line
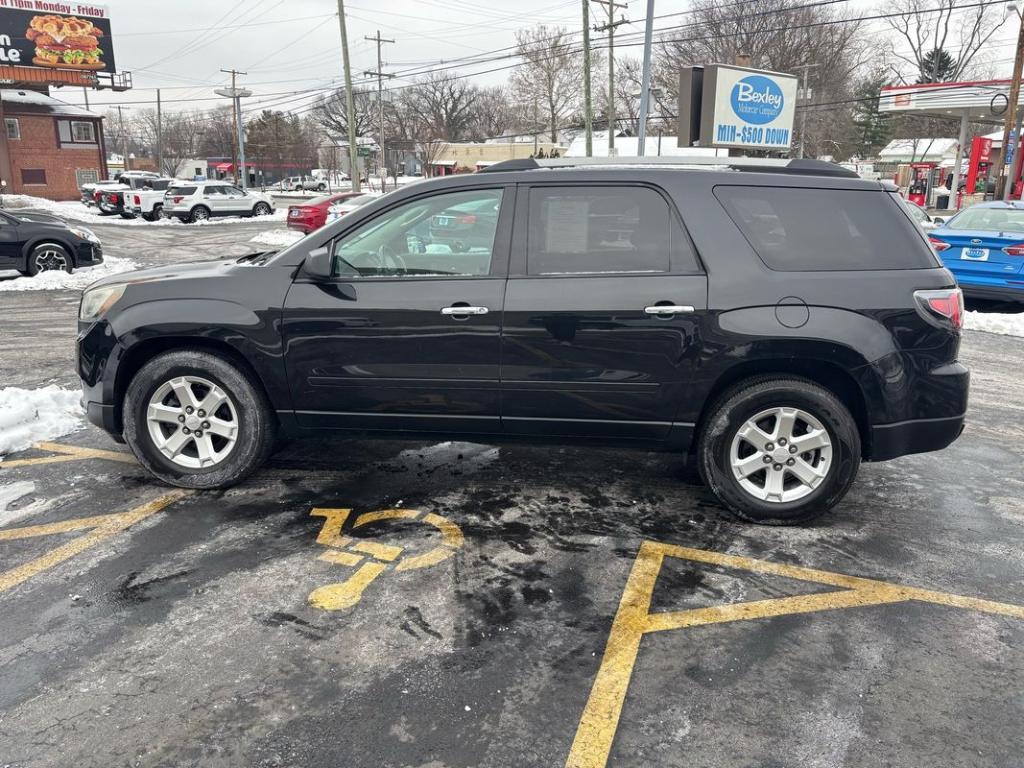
(397, 603)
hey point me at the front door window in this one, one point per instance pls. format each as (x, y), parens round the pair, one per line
(448, 235)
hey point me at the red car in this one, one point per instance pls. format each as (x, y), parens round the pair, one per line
(312, 215)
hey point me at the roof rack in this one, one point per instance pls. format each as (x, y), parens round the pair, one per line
(763, 165)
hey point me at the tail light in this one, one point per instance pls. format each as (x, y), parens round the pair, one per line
(466, 219)
(1014, 250)
(938, 245)
(943, 308)
(137, 199)
(178, 198)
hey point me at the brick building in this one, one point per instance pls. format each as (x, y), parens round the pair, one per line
(49, 147)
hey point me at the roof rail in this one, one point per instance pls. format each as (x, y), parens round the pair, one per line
(763, 165)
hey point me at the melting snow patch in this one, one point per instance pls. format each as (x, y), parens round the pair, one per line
(57, 280)
(1008, 325)
(28, 416)
(10, 493)
(279, 237)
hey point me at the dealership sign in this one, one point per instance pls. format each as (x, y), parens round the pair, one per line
(724, 106)
(55, 34)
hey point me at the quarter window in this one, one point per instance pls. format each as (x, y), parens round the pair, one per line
(810, 230)
(83, 132)
(449, 235)
(604, 230)
(13, 127)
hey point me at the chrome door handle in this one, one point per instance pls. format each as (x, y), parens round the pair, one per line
(668, 309)
(465, 311)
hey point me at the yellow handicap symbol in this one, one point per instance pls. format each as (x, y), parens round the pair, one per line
(371, 557)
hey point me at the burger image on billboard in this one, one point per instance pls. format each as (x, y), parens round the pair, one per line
(67, 42)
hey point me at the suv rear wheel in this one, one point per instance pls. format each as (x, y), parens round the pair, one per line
(199, 213)
(779, 450)
(196, 421)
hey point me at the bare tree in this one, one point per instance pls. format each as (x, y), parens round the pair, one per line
(331, 113)
(931, 28)
(441, 107)
(493, 114)
(550, 79)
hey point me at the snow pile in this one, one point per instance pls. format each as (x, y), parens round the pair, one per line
(277, 237)
(57, 280)
(1008, 325)
(28, 416)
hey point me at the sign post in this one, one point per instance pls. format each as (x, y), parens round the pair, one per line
(736, 107)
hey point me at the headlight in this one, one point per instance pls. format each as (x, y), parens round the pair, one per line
(85, 234)
(97, 301)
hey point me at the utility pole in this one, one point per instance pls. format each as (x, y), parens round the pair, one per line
(1003, 185)
(159, 135)
(238, 143)
(382, 169)
(805, 94)
(350, 109)
(124, 136)
(610, 28)
(588, 107)
(645, 81)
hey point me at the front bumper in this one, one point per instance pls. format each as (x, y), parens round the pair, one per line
(88, 254)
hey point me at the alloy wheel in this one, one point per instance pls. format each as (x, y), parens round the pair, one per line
(50, 259)
(780, 455)
(192, 422)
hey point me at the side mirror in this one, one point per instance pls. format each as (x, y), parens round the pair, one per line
(319, 263)
(938, 220)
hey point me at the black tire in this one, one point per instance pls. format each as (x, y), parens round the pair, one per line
(153, 215)
(257, 427)
(127, 215)
(321, 188)
(261, 209)
(748, 399)
(199, 213)
(37, 260)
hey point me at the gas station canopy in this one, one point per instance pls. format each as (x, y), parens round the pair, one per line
(978, 100)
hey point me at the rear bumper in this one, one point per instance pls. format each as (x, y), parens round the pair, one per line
(918, 436)
(994, 292)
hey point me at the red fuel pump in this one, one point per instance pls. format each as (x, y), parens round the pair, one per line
(977, 169)
(920, 183)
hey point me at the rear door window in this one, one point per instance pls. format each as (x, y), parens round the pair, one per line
(810, 230)
(604, 230)
(183, 191)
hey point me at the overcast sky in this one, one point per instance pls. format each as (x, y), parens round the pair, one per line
(289, 47)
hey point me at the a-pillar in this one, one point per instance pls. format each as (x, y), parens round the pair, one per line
(961, 142)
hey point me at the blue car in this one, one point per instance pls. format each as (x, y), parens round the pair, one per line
(984, 248)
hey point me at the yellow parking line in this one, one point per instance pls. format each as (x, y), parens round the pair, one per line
(67, 453)
(105, 527)
(599, 722)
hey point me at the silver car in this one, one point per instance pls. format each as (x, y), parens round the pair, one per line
(198, 200)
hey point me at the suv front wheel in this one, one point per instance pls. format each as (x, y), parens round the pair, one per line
(779, 450)
(196, 421)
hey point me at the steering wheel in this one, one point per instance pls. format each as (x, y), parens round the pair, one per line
(389, 260)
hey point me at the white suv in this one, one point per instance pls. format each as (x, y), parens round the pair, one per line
(198, 200)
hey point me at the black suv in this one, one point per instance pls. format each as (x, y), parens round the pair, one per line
(38, 242)
(777, 322)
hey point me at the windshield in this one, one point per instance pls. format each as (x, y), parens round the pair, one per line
(991, 219)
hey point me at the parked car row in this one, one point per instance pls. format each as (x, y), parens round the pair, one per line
(151, 196)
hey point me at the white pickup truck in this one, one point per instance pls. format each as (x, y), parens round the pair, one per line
(148, 203)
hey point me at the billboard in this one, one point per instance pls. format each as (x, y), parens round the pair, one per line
(738, 107)
(55, 34)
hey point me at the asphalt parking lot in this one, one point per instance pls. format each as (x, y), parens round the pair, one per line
(446, 605)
